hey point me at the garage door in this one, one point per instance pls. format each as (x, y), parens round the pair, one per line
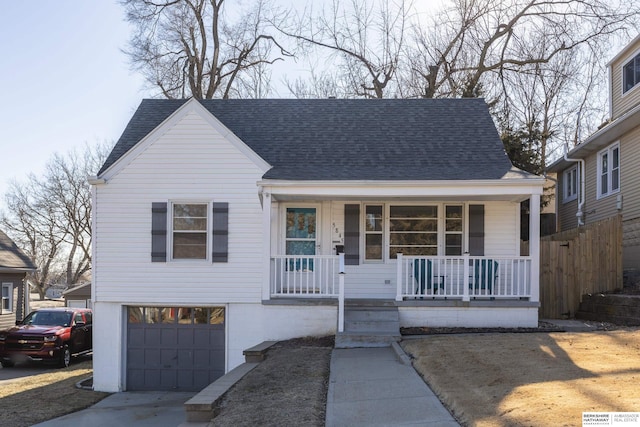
(174, 348)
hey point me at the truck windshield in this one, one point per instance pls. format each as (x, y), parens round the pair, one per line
(48, 318)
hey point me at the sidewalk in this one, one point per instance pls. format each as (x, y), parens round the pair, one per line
(372, 387)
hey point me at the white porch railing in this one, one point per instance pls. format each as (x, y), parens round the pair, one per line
(306, 276)
(466, 277)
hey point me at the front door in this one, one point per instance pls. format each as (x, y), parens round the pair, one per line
(301, 237)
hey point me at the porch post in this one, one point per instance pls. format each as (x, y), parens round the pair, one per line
(534, 245)
(341, 293)
(399, 277)
(465, 278)
(266, 247)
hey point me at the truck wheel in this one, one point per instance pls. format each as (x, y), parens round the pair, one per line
(65, 357)
(7, 364)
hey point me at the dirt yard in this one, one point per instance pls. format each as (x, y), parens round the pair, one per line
(37, 398)
(289, 388)
(531, 379)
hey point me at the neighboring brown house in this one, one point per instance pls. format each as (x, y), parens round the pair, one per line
(600, 177)
(14, 266)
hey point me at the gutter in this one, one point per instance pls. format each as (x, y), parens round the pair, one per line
(581, 190)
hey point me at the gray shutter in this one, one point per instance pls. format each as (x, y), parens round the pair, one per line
(220, 232)
(159, 232)
(476, 230)
(352, 234)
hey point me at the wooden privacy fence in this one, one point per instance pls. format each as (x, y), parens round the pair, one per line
(576, 262)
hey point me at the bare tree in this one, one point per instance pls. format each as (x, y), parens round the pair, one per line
(459, 52)
(49, 216)
(192, 48)
(365, 42)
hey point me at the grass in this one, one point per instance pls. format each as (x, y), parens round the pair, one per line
(37, 398)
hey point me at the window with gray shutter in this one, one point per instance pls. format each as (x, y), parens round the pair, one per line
(476, 230)
(352, 234)
(159, 232)
(220, 232)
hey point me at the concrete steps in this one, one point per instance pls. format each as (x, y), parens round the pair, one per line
(369, 326)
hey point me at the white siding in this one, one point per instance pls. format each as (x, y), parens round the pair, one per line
(501, 229)
(191, 161)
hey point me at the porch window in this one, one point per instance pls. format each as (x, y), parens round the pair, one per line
(609, 170)
(413, 230)
(7, 298)
(570, 184)
(373, 233)
(190, 230)
(453, 230)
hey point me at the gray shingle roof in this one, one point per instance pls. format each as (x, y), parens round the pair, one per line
(11, 257)
(342, 139)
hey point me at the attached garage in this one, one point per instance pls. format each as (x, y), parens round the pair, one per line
(174, 348)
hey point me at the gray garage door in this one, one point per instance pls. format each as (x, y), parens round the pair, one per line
(174, 348)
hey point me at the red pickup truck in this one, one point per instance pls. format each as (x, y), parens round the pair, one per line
(48, 335)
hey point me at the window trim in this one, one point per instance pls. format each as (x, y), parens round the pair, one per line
(386, 227)
(566, 180)
(208, 231)
(283, 224)
(383, 232)
(635, 55)
(8, 285)
(608, 151)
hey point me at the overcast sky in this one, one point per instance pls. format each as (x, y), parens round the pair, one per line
(64, 81)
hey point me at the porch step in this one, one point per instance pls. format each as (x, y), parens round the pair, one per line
(369, 326)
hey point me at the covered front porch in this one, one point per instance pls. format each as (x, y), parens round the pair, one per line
(417, 244)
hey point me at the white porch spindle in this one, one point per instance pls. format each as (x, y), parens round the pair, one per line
(341, 274)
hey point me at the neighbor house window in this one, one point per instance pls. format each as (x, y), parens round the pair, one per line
(413, 230)
(631, 74)
(570, 184)
(189, 230)
(453, 230)
(7, 298)
(609, 170)
(373, 233)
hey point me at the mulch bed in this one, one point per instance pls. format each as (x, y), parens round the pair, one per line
(542, 327)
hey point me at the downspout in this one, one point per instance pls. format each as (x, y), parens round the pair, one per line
(581, 189)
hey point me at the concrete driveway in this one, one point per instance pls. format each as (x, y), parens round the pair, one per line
(135, 409)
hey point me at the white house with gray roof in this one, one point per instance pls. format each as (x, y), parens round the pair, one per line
(220, 224)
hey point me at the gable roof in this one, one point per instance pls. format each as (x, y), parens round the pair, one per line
(346, 139)
(11, 257)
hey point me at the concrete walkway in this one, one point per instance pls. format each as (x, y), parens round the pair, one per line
(139, 409)
(372, 387)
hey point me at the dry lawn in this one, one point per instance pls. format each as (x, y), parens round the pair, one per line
(37, 398)
(289, 388)
(537, 379)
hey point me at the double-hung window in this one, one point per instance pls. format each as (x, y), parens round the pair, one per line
(570, 184)
(374, 233)
(190, 225)
(609, 170)
(631, 73)
(453, 230)
(7, 298)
